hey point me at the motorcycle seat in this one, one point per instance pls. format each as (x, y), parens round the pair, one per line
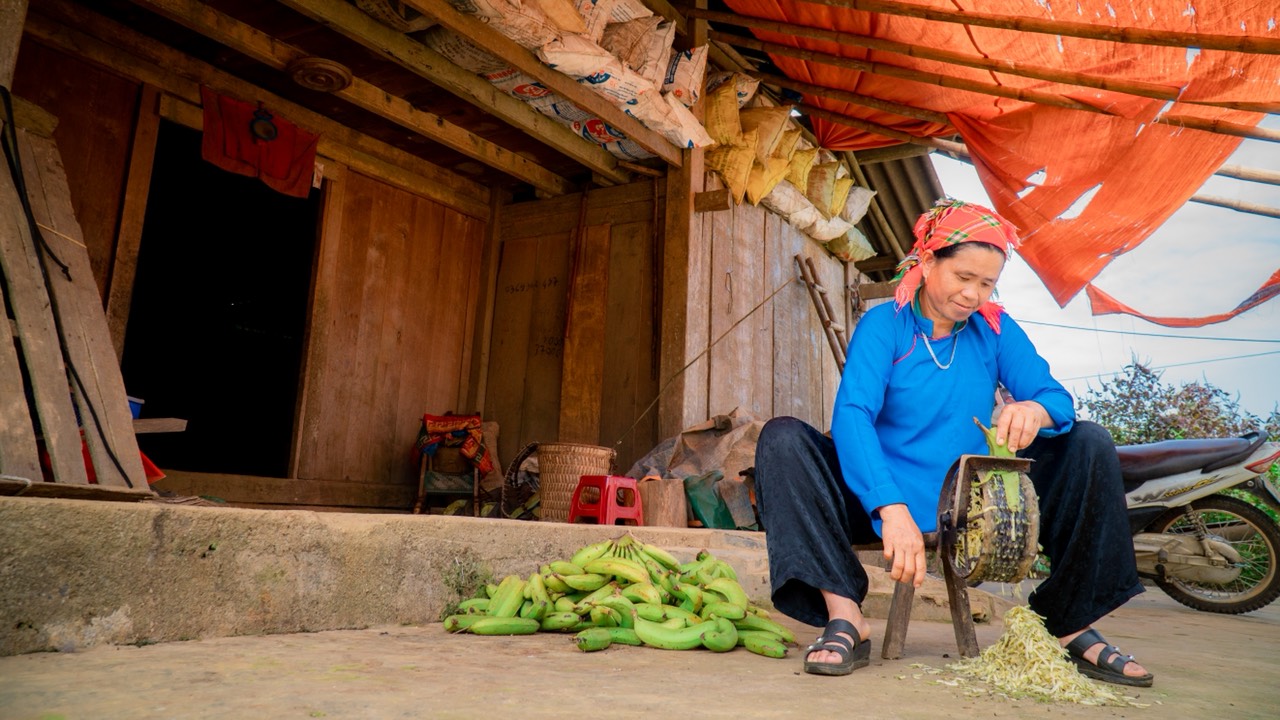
(1139, 463)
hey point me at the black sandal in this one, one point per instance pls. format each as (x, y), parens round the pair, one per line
(1111, 662)
(851, 657)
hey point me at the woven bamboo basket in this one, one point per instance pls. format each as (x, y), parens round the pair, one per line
(559, 467)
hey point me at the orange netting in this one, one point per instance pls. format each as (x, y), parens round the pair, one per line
(1082, 187)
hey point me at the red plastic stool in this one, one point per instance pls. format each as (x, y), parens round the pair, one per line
(606, 499)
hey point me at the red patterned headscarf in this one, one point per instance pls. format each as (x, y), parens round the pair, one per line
(951, 222)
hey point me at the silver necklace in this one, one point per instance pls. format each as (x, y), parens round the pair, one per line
(955, 342)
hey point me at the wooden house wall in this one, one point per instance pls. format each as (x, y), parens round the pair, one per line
(770, 355)
(394, 301)
(397, 276)
(95, 110)
(572, 352)
(591, 383)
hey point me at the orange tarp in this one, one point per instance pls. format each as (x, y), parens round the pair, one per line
(1082, 187)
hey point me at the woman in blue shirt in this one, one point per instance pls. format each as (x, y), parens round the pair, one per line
(918, 371)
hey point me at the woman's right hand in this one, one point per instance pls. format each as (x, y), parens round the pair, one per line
(903, 544)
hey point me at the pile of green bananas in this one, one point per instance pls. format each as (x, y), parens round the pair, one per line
(627, 592)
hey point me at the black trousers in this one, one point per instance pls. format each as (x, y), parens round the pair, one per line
(811, 519)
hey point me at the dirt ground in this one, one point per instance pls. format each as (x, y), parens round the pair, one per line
(1206, 666)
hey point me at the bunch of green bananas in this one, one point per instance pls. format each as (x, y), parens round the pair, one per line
(628, 592)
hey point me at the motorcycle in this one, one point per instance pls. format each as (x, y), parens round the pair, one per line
(1208, 551)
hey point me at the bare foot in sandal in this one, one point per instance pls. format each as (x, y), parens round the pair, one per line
(838, 651)
(1096, 658)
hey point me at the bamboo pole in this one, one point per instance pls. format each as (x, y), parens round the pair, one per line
(877, 213)
(1221, 127)
(1155, 91)
(854, 98)
(1237, 205)
(1090, 31)
(905, 73)
(1269, 177)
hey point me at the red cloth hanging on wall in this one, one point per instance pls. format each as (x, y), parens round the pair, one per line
(285, 163)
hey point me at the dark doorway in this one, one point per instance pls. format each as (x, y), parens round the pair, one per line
(219, 312)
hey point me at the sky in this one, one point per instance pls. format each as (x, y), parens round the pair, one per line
(1204, 260)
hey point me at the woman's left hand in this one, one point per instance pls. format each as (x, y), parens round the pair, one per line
(1018, 423)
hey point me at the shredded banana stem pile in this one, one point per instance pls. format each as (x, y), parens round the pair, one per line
(1028, 662)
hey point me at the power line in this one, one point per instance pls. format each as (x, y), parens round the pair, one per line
(1146, 334)
(1174, 365)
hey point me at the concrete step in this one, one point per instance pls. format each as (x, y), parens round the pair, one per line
(74, 574)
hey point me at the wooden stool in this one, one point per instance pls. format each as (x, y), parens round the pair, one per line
(447, 473)
(895, 631)
(615, 498)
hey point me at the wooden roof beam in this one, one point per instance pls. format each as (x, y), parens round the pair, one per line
(276, 54)
(1221, 127)
(73, 29)
(525, 61)
(347, 20)
(1155, 91)
(1090, 31)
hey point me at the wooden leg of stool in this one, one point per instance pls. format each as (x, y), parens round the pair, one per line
(422, 485)
(895, 630)
(961, 613)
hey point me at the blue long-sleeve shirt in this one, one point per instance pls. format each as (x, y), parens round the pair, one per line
(900, 420)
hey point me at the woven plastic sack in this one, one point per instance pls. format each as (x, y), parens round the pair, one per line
(851, 246)
(462, 52)
(764, 177)
(523, 22)
(857, 204)
(525, 87)
(827, 229)
(744, 86)
(801, 164)
(685, 72)
(643, 44)
(786, 146)
(596, 14)
(689, 132)
(821, 187)
(627, 149)
(666, 116)
(769, 122)
(721, 116)
(565, 15)
(841, 193)
(733, 164)
(624, 10)
(786, 201)
(597, 131)
(593, 66)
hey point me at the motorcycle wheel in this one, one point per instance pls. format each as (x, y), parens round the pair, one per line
(1247, 529)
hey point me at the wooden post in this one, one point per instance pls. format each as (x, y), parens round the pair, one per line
(129, 237)
(17, 438)
(482, 337)
(13, 15)
(683, 399)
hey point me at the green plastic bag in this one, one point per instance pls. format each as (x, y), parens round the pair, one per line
(706, 503)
